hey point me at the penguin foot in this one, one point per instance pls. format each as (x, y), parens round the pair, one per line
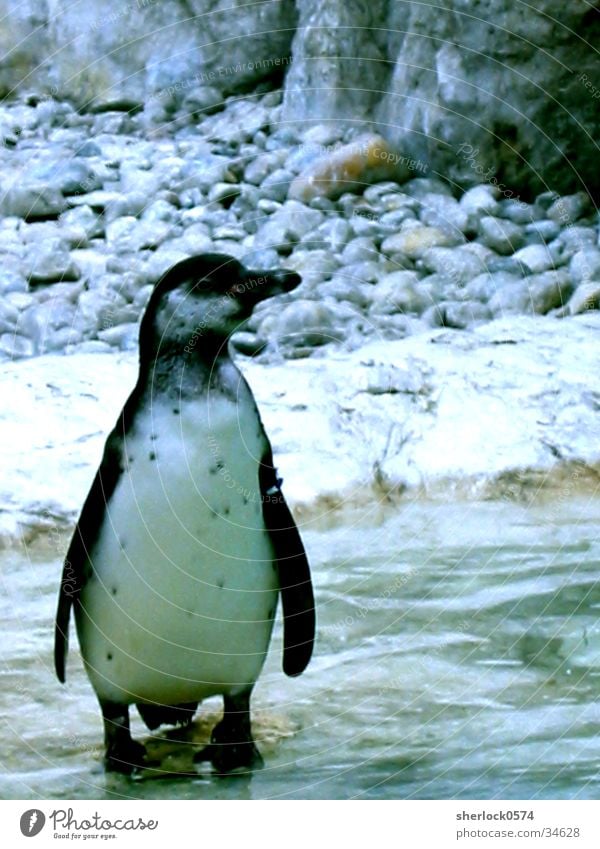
(125, 758)
(231, 745)
(123, 754)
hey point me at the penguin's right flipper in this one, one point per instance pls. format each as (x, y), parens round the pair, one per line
(74, 575)
(294, 572)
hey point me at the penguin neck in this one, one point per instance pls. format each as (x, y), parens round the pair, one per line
(186, 371)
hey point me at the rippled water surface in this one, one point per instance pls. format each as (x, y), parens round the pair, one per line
(458, 656)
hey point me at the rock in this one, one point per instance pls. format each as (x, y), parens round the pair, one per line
(99, 309)
(124, 337)
(128, 235)
(485, 286)
(501, 236)
(50, 263)
(400, 291)
(14, 346)
(535, 257)
(586, 297)
(415, 241)
(542, 231)
(31, 201)
(517, 211)
(539, 294)
(478, 202)
(203, 100)
(463, 315)
(459, 264)
(68, 177)
(443, 212)
(334, 234)
(276, 185)
(306, 323)
(133, 203)
(568, 209)
(203, 172)
(260, 168)
(12, 281)
(577, 238)
(9, 316)
(361, 249)
(348, 168)
(313, 266)
(288, 225)
(585, 265)
(223, 193)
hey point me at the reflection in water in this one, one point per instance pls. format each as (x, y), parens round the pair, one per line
(458, 656)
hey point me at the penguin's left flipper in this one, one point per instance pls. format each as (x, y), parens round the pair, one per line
(77, 560)
(294, 572)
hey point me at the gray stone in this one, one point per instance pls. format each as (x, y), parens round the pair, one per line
(9, 315)
(124, 337)
(203, 100)
(334, 234)
(361, 249)
(32, 201)
(501, 236)
(133, 203)
(443, 212)
(478, 202)
(585, 265)
(485, 286)
(542, 231)
(49, 263)
(464, 315)
(12, 281)
(459, 264)
(400, 291)
(306, 323)
(517, 211)
(414, 241)
(586, 297)
(276, 186)
(568, 209)
(257, 170)
(15, 346)
(223, 193)
(68, 177)
(312, 266)
(535, 257)
(539, 294)
(288, 225)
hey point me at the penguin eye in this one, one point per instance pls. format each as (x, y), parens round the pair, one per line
(236, 290)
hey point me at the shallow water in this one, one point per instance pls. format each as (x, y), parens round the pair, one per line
(458, 657)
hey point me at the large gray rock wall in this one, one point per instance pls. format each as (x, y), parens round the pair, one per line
(121, 54)
(475, 90)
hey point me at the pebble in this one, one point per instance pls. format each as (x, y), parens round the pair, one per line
(501, 236)
(415, 241)
(400, 291)
(585, 265)
(94, 212)
(535, 257)
(585, 297)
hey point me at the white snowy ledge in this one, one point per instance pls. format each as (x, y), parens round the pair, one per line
(510, 408)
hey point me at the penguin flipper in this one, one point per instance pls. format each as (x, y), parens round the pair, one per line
(86, 532)
(294, 572)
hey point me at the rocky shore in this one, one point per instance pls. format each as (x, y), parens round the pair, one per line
(451, 336)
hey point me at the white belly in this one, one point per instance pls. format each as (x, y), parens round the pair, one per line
(183, 596)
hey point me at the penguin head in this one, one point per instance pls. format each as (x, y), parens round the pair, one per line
(200, 302)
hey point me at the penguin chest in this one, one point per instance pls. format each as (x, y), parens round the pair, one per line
(182, 595)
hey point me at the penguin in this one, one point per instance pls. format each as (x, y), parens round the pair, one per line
(185, 541)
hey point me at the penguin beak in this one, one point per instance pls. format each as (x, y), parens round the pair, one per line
(259, 285)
